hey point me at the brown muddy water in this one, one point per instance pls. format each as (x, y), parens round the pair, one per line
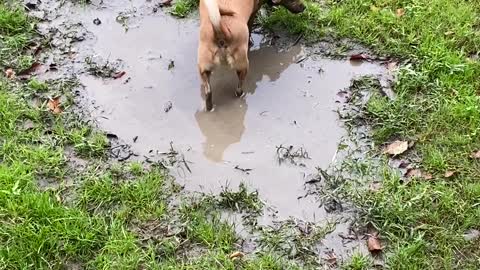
(291, 100)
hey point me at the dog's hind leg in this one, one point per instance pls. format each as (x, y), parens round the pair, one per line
(241, 66)
(205, 75)
(242, 74)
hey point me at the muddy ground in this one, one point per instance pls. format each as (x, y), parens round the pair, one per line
(137, 67)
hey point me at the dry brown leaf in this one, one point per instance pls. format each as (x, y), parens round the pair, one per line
(396, 148)
(400, 12)
(54, 105)
(449, 174)
(475, 155)
(417, 173)
(413, 173)
(9, 73)
(236, 254)
(373, 243)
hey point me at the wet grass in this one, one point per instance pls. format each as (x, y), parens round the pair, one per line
(182, 8)
(306, 23)
(437, 106)
(296, 240)
(16, 32)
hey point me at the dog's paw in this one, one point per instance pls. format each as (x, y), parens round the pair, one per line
(240, 94)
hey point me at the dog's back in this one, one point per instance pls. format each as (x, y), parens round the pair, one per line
(224, 39)
(223, 30)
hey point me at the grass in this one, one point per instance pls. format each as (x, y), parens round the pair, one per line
(182, 8)
(15, 35)
(437, 106)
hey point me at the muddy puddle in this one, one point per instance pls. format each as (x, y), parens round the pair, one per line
(157, 108)
(157, 105)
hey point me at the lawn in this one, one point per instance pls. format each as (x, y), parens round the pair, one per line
(437, 106)
(110, 215)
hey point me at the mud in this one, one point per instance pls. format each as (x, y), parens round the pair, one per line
(157, 107)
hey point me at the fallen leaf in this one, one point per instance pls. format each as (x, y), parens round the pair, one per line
(475, 155)
(373, 243)
(400, 12)
(414, 173)
(118, 75)
(396, 148)
(32, 69)
(54, 105)
(417, 173)
(236, 254)
(449, 174)
(449, 33)
(360, 56)
(9, 73)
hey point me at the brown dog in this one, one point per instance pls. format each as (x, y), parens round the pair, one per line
(224, 37)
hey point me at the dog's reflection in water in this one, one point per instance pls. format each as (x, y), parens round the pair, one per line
(226, 125)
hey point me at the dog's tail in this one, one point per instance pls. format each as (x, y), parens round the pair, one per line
(215, 17)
